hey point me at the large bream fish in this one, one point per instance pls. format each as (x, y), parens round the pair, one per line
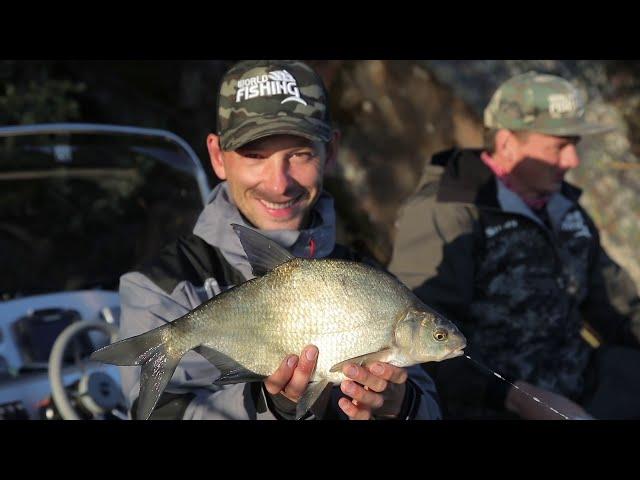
(350, 311)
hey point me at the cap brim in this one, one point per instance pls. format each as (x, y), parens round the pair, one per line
(251, 130)
(577, 130)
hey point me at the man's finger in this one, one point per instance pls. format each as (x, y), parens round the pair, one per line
(302, 373)
(388, 372)
(364, 377)
(279, 379)
(353, 411)
(363, 397)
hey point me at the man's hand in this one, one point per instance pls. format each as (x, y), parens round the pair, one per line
(376, 389)
(293, 375)
(529, 409)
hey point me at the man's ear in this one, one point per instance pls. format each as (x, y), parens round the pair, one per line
(506, 145)
(332, 150)
(215, 155)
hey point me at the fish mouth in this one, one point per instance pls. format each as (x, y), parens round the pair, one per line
(455, 353)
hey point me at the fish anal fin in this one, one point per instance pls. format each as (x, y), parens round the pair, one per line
(230, 370)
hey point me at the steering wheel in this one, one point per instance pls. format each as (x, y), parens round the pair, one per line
(97, 391)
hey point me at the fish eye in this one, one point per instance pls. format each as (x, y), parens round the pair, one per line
(440, 335)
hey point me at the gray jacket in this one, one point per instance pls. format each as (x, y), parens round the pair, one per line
(181, 279)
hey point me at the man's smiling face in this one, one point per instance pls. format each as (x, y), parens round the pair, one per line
(274, 181)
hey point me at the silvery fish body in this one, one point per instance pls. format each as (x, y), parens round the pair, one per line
(349, 310)
(346, 309)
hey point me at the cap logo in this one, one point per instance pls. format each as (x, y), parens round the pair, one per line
(561, 104)
(278, 82)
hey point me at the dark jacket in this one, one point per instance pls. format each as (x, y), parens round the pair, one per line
(519, 289)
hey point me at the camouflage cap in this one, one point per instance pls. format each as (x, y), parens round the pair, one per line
(540, 103)
(259, 98)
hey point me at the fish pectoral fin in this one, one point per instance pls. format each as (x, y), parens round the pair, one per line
(263, 253)
(310, 397)
(230, 370)
(380, 355)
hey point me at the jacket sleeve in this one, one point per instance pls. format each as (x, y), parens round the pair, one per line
(612, 306)
(422, 399)
(434, 255)
(190, 393)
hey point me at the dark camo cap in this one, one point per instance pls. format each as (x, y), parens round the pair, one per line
(259, 98)
(540, 103)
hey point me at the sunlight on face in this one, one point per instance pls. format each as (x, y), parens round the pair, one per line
(275, 181)
(541, 163)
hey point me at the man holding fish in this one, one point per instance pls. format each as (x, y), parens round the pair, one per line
(273, 144)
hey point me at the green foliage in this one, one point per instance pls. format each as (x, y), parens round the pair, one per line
(25, 100)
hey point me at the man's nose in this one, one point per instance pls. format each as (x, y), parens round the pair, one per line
(569, 158)
(278, 178)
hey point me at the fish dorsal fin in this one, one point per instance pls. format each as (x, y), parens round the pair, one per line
(380, 355)
(263, 253)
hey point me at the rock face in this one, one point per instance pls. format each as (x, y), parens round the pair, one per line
(393, 114)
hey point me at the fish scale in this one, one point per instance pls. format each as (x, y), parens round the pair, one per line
(326, 318)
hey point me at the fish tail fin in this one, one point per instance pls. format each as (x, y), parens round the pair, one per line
(152, 351)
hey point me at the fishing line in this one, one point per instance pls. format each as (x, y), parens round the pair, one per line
(536, 399)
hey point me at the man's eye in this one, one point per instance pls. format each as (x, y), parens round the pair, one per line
(252, 155)
(563, 147)
(557, 148)
(302, 156)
